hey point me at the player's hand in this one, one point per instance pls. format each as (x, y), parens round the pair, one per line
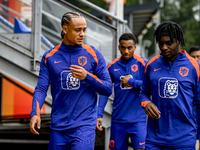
(152, 111)
(78, 72)
(99, 124)
(124, 80)
(35, 120)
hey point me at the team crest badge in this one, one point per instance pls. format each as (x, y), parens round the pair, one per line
(82, 60)
(112, 143)
(183, 71)
(134, 68)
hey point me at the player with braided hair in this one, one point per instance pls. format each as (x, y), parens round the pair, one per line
(173, 29)
(77, 72)
(66, 19)
(170, 92)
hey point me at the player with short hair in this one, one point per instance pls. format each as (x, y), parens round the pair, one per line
(170, 92)
(128, 118)
(195, 52)
(76, 72)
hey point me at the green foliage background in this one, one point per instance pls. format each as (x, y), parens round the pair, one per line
(181, 12)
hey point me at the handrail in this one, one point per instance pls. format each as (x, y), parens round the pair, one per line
(13, 11)
(101, 10)
(7, 23)
(63, 3)
(51, 16)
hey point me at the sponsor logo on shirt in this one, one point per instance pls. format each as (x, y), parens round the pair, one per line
(183, 71)
(125, 87)
(168, 87)
(157, 69)
(116, 69)
(55, 62)
(82, 60)
(68, 82)
(141, 143)
(134, 68)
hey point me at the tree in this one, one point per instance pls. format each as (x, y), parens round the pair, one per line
(181, 12)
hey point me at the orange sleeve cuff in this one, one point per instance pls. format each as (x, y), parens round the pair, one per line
(144, 104)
